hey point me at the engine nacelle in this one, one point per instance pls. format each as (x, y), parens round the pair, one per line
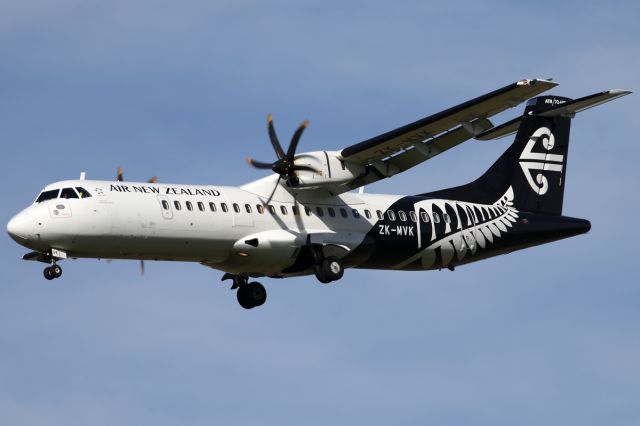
(333, 171)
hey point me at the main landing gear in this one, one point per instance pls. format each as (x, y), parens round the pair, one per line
(328, 269)
(250, 295)
(53, 271)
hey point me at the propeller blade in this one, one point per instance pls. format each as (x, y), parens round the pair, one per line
(258, 164)
(305, 168)
(266, 203)
(153, 179)
(142, 267)
(119, 176)
(274, 138)
(295, 139)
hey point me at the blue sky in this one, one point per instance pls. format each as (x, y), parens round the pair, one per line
(182, 91)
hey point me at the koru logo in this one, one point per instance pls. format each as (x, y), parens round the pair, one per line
(530, 160)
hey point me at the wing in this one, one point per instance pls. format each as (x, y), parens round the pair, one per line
(400, 149)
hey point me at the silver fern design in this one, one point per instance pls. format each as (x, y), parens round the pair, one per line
(478, 227)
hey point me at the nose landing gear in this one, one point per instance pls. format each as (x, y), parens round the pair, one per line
(53, 271)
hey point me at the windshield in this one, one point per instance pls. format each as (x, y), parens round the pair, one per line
(47, 195)
(83, 192)
(68, 193)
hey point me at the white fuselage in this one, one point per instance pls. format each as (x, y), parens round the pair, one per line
(206, 224)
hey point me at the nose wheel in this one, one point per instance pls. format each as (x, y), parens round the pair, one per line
(52, 272)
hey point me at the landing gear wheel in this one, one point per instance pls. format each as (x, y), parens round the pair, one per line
(251, 295)
(258, 293)
(321, 274)
(56, 271)
(334, 268)
(48, 273)
(329, 269)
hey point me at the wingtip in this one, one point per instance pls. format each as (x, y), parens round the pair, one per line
(532, 81)
(620, 92)
(269, 118)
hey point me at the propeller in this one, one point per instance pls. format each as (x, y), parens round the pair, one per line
(120, 178)
(284, 165)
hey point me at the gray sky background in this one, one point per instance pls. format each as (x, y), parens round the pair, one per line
(182, 90)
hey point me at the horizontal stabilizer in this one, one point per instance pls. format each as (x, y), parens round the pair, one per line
(565, 109)
(505, 129)
(569, 109)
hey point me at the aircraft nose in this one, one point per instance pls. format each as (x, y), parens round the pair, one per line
(19, 227)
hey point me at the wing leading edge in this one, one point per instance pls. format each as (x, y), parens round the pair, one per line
(400, 149)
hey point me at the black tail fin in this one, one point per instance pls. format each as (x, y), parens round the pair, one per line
(535, 165)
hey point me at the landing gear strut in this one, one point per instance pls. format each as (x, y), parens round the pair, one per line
(53, 271)
(250, 295)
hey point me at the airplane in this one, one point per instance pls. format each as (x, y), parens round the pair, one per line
(311, 215)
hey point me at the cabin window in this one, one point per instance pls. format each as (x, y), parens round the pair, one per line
(295, 211)
(307, 211)
(413, 216)
(319, 211)
(83, 193)
(379, 214)
(165, 204)
(424, 216)
(436, 218)
(200, 206)
(356, 213)
(48, 195)
(189, 205)
(331, 211)
(212, 206)
(247, 207)
(343, 213)
(283, 209)
(236, 208)
(272, 209)
(177, 205)
(68, 193)
(402, 215)
(224, 207)
(391, 215)
(367, 213)
(260, 208)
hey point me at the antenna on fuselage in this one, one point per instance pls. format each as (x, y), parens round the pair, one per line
(83, 175)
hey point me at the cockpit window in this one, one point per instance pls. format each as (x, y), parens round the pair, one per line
(68, 193)
(48, 195)
(82, 192)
